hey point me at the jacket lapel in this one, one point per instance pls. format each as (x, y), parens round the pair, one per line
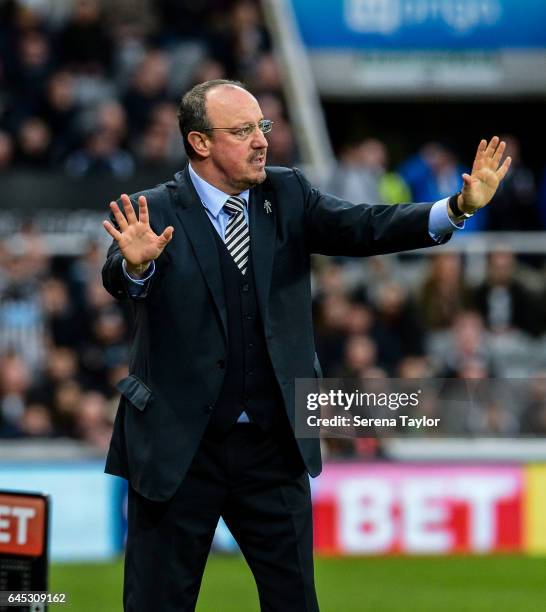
(198, 228)
(262, 241)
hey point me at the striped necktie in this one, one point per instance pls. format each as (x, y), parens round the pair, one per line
(237, 238)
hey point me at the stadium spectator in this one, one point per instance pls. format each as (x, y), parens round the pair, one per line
(82, 271)
(435, 173)
(159, 146)
(208, 69)
(240, 45)
(60, 366)
(352, 180)
(22, 328)
(443, 294)
(64, 321)
(503, 300)
(34, 144)
(155, 150)
(100, 156)
(36, 422)
(106, 348)
(467, 351)
(91, 421)
(149, 87)
(32, 67)
(111, 118)
(414, 367)
(84, 45)
(265, 75)
(359, 356)
(331, 313)
(67, 398)
(398, 330)
(59, 108)
(515, 204)
(363, 175)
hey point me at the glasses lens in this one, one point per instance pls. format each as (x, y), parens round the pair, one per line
(265, 125)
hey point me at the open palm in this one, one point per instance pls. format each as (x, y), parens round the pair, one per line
(137, 241)
(487, 173)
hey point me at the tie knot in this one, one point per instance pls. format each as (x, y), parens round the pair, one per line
(234, 205)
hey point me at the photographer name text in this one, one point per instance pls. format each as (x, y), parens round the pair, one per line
(400, 420)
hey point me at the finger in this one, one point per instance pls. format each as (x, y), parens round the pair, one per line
(501, 172)
(167, 235)
(479, 155)
(467, 180)
(492, 146)
(482, 146)
(128, 208)
(498, 154)
(111, 230)
(119, 216)
(143, 210)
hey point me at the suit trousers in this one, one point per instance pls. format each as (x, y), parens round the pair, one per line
(257, 482)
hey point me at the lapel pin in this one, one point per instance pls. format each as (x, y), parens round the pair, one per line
(267, 206)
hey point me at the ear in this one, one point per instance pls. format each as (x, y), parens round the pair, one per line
(200, 143)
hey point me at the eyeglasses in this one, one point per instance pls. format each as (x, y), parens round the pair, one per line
(242, 133)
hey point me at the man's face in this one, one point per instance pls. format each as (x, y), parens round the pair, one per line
(235, 162)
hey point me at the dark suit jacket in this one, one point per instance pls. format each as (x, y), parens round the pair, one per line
(180, 325)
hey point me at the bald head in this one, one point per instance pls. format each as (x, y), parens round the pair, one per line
(230, 105)
(192, 111)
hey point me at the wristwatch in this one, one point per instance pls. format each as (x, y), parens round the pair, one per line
(454, 207)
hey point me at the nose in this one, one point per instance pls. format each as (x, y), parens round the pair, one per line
(259, 141)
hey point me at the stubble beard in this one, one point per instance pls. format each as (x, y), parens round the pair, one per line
(250, 181)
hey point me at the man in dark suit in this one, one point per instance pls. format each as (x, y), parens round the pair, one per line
(216, 265)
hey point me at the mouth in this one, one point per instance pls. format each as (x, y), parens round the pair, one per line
(258, 160)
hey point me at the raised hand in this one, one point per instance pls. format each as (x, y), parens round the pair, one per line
(487, 173)
(138, 243)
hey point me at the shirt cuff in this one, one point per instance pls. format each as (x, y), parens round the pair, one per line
(439, 221)
(139, 281)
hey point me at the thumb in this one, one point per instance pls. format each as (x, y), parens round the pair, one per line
(167, 235)
(467, 180)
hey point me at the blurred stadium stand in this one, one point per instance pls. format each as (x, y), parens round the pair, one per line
(88, 110)
(88, 98)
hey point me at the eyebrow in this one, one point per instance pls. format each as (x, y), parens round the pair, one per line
(252, 122)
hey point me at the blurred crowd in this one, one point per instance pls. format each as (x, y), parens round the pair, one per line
(365, 174)
(64, 341)
(63, 344)
(428, 317)
(92, 88)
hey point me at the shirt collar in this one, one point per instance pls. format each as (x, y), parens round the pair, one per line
(212, 198)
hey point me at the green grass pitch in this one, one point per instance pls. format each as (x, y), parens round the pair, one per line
(392, 584)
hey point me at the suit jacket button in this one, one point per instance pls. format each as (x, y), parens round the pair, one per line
(208, 409)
